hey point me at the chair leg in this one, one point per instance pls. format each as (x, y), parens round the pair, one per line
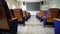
(44, 22)
(0, 32)
(23, 22)
(44, 25)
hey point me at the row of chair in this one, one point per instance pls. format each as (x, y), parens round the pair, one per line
(9, 18)
(52, 16)
(21, 15)
(49, 15)
(40, 15)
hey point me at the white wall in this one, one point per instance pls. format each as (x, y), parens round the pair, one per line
(11, 4)
(24, 6)
(58, 4)
(30, 0)
(51, 4)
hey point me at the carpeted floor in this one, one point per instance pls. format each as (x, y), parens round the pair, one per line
(34, 26)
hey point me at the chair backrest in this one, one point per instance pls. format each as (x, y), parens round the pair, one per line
(43, 13)
(39, 14)
(59, 14)
(53, 12)
(19, 14)
(24, 14)
(6, 9)
(4, 15)
(27, 14)
(12, 13)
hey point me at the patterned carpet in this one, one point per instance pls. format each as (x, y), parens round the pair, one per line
(34, 26)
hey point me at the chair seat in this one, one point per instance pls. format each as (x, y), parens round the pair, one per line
(50, 19)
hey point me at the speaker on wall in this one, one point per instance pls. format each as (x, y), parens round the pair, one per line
(42, 2)
(24, 3)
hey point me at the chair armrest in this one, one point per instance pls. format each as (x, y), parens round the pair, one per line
(57, 19)
(12, 19)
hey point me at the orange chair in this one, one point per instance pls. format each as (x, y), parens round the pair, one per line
(51, 14)
(27, 15)
(38, 15)
(7, 24)
(19, 14)
(59, 16)
(43, 13)
(11, 13)
(24, 14)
